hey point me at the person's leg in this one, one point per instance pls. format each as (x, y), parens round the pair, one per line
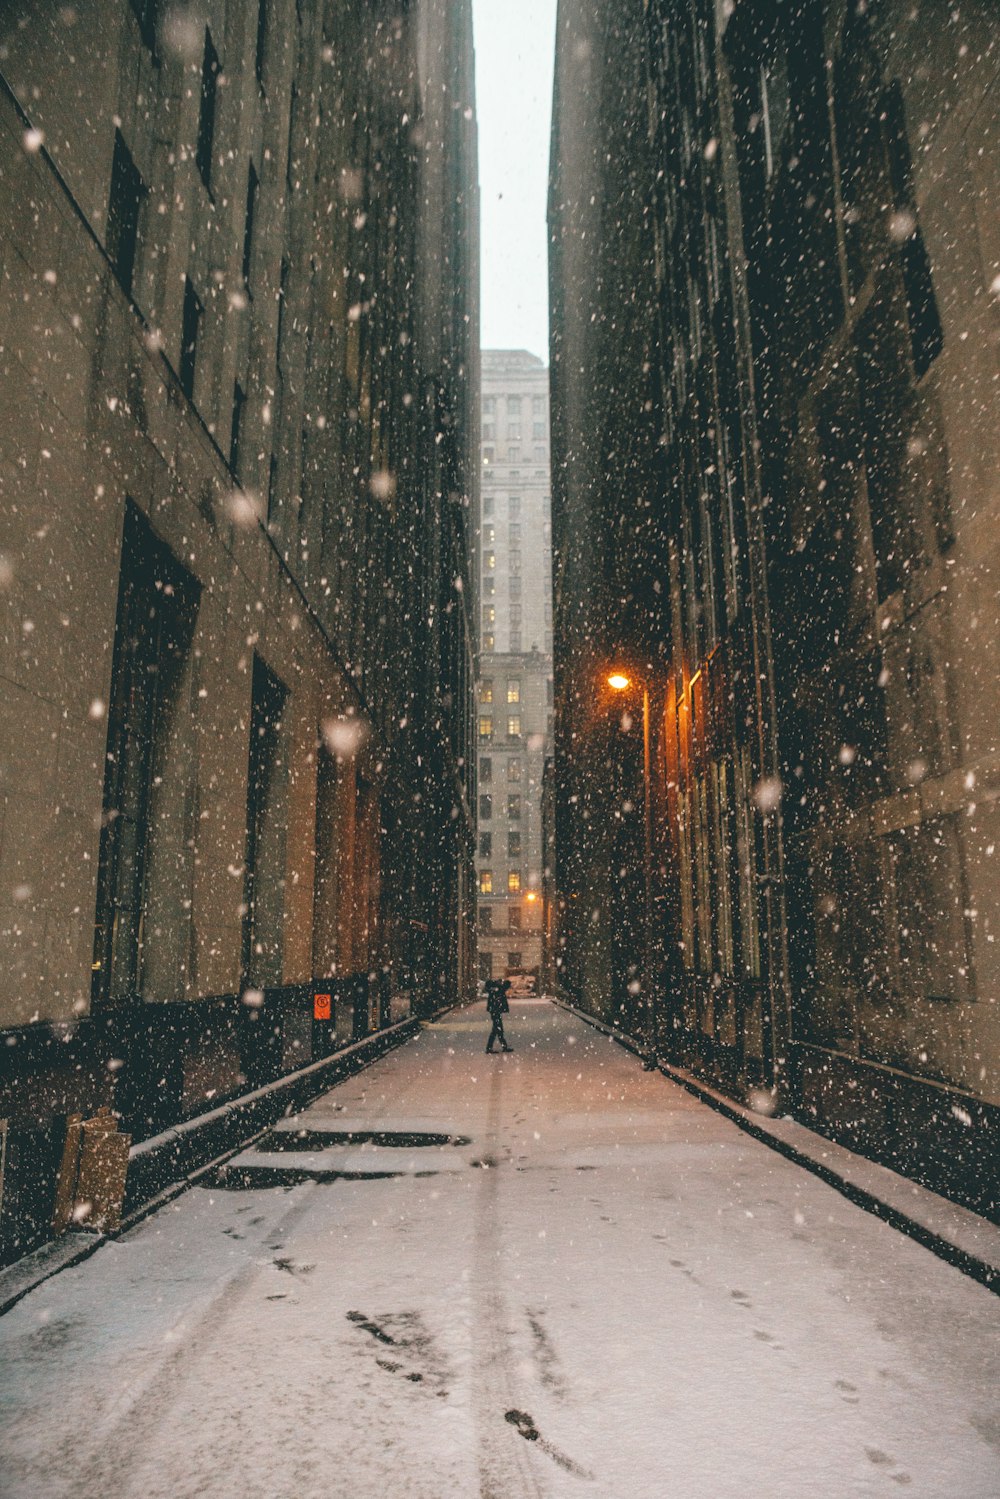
(497, 1030)
(501, 1036)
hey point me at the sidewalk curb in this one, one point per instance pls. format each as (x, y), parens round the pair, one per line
(166, 1165)
(984, 1270)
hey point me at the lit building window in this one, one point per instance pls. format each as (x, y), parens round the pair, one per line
(489, 561)
(489, 614)
(514, 726)
(513, 769)
(488, 642)
(513, 881)
(486, 690)
(489, 586)
(489, 534)
(513, 691)
(486, 726)
(486, 882)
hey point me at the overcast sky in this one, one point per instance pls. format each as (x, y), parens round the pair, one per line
(515, 42)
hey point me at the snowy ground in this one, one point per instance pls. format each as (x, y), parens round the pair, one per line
(603, 1288)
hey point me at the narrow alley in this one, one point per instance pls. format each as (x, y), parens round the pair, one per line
(550, 1273)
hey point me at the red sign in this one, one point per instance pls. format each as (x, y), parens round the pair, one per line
(321, 1006)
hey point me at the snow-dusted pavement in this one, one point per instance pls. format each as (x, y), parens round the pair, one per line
(603, 1288)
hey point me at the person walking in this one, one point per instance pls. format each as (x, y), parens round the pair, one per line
(498, 1006)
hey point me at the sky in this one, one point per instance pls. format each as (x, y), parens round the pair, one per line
(515, 46)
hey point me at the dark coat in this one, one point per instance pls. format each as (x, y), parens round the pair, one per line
(496, 996)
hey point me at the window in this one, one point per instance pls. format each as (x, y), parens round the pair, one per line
(253, 183)
(539, 454)
(538, 432)
(514, 454)
(514, 533)
(514, 587)
(489, 431)
(486, 690)
(489, 614)
(514, 918)
(489, 535)
(191, 322)
(485, 806)
(128, 194)
(147, 13)
(486, 882)
(514, 506)
(513, 406)
(488, 455)
(206, 115)
(513, 769)
(538, 405)
(514, 726)
(239, 402)
(514, 843)
(513, 960)
(514, 806)
(486, 845)
(486, 918)
(514, 611)
(489, 561)
(485, 726)
(488, 642)
(263, 6)
(513, 431)
(485, 770)
(514, 881)
(489, 405)
(514, 690)
(514, 642)
(487, 504)
(489, 586)
(157, 606)
(263, 898)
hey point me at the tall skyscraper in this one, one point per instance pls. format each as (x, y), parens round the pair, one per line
(514, 692)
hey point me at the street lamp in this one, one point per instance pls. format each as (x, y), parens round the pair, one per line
(620, 681)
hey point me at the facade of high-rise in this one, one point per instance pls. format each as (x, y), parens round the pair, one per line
(513, 567)
(239, 386)
(775, 277)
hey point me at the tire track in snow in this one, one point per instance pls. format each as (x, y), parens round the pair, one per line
(505, 1467)
(128, 1424)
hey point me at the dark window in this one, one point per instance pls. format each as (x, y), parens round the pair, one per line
(514, 805)
(486, 918)
(191, 323)
(239, 402)
(486, 770)
(513, 960)
(263, 7)
(206, 116)
(485, 807)
(128, 193)
(157, 602)
(147, 13)
(486, 845)
(514, 918)
(253, 183)
(263, 885)
(514, 844)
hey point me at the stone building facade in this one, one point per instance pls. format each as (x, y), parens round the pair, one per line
(239, 377)
(514, 689)
(801, 202)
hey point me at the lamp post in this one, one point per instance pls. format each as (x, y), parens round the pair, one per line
(620, 681)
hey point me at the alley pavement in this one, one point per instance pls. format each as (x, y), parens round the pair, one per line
(459, 1276)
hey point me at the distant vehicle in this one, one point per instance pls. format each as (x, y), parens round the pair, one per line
(521, 984)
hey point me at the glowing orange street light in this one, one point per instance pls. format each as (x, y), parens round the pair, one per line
(532, 895)
(618, 681)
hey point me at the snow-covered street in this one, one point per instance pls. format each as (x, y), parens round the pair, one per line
(585, 1282)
